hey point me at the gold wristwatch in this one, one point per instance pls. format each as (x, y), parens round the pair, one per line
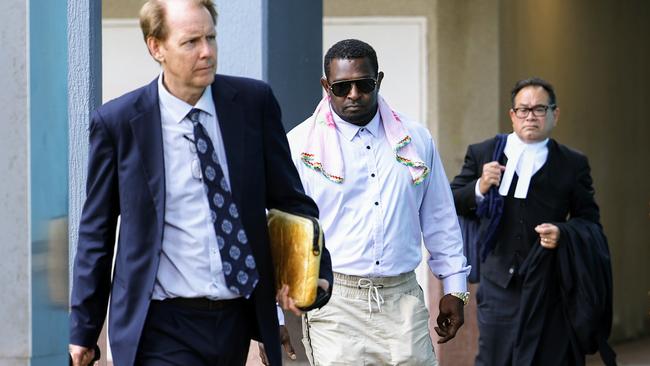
(464, 296)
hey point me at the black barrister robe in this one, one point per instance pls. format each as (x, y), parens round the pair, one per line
(571, 288)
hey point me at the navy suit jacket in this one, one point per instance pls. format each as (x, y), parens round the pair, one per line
(126, 178)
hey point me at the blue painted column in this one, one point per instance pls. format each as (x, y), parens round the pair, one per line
(48, 166)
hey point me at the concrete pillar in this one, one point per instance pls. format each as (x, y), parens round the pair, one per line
(15, 272)
(84, 95)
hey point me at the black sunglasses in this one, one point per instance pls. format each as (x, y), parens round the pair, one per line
(343, 87)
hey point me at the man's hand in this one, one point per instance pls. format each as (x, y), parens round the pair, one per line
(81, 356)
(491, 176)
(450, 319)
(324, 284)
(549, 235)
(285, 339)
(286, 302)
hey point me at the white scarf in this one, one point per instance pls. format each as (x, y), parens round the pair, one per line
(526, 160)
(322, 152)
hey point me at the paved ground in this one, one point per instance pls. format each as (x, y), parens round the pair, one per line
(635, 353)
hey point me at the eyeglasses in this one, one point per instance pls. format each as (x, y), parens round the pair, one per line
(195, 165)
(342, 88)
(538, 110)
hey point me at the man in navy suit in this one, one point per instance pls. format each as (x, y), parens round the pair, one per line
(189, 163)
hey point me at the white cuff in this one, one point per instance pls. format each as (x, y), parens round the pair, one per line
(280, 314)
(455, 283)
(477, 193)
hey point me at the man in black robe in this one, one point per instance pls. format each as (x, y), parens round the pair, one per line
(541, 211)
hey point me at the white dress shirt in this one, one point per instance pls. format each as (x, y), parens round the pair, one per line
(190, 262)
(374, 221)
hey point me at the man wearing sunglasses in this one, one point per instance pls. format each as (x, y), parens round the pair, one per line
(522, 200)
(380, 187)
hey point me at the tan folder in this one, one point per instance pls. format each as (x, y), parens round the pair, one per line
(296, 245)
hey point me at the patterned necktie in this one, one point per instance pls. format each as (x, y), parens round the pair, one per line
(236, 256)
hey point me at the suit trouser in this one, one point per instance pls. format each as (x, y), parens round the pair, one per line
(370, 321)
(498, 311)
(498, 321)
(175, 334)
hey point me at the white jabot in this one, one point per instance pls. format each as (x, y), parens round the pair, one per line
(190, 262)
(524, 159)
(376, 219)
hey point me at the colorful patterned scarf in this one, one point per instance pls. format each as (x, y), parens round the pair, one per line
(322, 152)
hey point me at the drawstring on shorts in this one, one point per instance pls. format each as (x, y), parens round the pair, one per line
(373, 292)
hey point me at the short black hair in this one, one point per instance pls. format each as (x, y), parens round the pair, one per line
(350, 49)
(534, 81)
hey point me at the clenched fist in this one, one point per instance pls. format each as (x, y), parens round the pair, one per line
(491, 176)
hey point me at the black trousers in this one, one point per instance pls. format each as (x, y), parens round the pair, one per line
(177, 335)
(498, 310)
(498, 321)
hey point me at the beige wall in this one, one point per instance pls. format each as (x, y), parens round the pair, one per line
(420, 8)
(121, 8)
(597, 55)
(468, 76)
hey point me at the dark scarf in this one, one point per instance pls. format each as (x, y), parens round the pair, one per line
(491, 207)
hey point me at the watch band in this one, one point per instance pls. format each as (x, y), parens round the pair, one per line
(464, 296)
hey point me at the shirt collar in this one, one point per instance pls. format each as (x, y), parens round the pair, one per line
(516, 141)
(178, 108)
(350, 130)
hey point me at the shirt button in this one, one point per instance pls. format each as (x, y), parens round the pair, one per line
(368, 147)
(511, 270)
(377, 262)
(372, 175)
(376, 203)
